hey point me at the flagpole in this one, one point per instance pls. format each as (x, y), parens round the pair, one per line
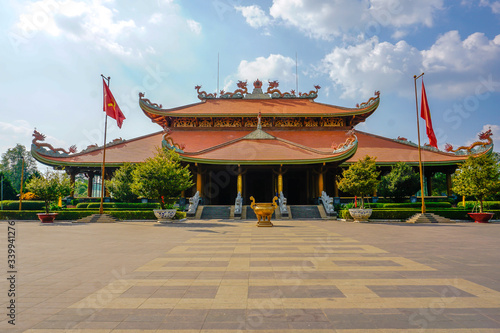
(101, 208)
(419, 150)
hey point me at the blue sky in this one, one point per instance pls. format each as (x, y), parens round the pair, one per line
(53, 52)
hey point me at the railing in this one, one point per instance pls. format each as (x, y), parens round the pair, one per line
(282, 205)
(238, 205)
(328, 204)
(193, 204)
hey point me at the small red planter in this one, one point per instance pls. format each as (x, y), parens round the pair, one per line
(481, 217)
(47, 218)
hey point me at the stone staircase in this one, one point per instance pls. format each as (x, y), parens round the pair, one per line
(427, 218)
(216, 212)
(305, 212)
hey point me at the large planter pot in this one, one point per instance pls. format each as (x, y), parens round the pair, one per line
(264, 211)
(481, 217)
(164, 215)
(47, 217)
(360, 215)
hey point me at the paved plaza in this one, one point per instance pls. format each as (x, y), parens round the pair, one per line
(227, 276)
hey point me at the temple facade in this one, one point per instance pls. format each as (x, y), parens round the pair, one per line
(260, 144)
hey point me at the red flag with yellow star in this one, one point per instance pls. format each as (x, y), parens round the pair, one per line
(425, 113)
(110, 107)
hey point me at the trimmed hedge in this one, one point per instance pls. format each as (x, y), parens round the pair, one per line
(74, 214)
(393, 214)
(486, 204)
(443, 204)
(93, 205)
(26, 205)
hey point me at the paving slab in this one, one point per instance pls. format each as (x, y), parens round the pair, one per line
(223, 276)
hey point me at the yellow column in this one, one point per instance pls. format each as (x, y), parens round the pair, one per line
(199, 180)
(320, 183)
(335, 189)
(240, 183)
(448, 184)
(280, 182)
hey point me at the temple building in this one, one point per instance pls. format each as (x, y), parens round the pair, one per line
(260, 144)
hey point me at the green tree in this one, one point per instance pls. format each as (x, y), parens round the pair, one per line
(161, 177)
(439, 186)
(121, 184)
(50, 186)
(12, 165)
(81, 185)
(401, 182)
(478, 177)
(8, 191)
(360, 179)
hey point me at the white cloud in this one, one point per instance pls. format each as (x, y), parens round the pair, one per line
(494, 5)
(78, 21)
(194, 26)
(361, 69)
(451, 53)
(372, 65)
(156, 18)
(273, 67)
(326, 20)
(400, 13)
(254, 16)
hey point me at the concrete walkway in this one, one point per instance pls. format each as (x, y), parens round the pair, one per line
(225, 276)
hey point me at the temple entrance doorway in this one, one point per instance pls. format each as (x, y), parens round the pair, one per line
(259, 184)
(295, 187)
(220, 188)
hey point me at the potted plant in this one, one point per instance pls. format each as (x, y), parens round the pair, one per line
(163, 178)
(478, 177)
(361, 179)
(49, 187)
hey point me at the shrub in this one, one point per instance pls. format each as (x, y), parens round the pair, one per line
(360, 179)
(161, 177)
(82, 205)
(400, 183)
(121, 184)
(26, 205)
(478, 177)
(444, 204)
(486, 204)
(50, 186)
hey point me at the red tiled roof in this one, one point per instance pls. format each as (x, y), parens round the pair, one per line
(227, 146)
(251, 107)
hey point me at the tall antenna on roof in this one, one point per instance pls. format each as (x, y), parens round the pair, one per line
(217, 72)
(296, 74)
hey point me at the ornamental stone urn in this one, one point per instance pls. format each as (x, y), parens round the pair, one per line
(164, 215)
(47, 217)
(481, 217)
(360, 214)
(264, 211)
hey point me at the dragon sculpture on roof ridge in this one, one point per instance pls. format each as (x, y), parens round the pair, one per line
(141, 96)
(486, 135)
(53, 151)
(369, 101)
(238, 93)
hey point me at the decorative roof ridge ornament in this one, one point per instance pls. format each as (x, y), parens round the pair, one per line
(56, 152)
(141, 97)
(202, 95)
(312, 94)
(350, 142)
(169, 143)
(369, 101)
(484, 146)
(238, 93)
(276, 93)
(259, 134)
